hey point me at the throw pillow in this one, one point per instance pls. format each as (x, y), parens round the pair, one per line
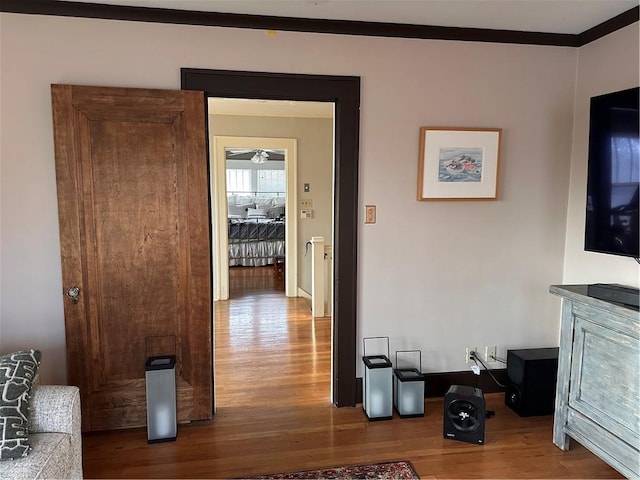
(17, 373)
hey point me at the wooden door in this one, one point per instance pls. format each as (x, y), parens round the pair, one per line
(131, 172)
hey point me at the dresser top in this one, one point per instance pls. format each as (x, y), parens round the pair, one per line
(579, 294)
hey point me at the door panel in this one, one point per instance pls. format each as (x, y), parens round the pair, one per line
(134, 224)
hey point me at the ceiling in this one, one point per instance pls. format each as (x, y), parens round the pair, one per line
(550, 16)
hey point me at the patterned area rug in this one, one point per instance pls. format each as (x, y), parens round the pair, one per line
(402, 470)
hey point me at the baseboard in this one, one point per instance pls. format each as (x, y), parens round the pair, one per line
(437, 384)
(303, 294)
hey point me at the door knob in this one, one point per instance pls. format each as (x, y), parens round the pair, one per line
(73, 293)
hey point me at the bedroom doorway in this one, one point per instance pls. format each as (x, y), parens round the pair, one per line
(256, 197)
(220, 146)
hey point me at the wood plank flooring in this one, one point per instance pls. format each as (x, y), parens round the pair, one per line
(269, 350)
(274, 415)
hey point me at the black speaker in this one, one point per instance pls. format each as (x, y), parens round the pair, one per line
(531, 387)
(464, 414)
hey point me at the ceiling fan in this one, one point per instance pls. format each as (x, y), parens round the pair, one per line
(256, 155)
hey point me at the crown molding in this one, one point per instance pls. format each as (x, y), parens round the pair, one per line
(342, 27)
(610, 26)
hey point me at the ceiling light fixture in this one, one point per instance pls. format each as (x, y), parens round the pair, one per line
(260, 156)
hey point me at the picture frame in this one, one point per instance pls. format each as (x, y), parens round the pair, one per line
(458, 163)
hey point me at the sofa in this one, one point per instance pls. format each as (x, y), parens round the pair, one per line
(54, 429)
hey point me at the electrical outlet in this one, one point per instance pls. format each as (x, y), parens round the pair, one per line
(489, 353)
(467, 353)
(306, 203)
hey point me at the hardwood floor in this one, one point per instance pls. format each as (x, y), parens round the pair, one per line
(274, 415)
(269, 350)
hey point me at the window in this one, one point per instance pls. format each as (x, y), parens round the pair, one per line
(252, 181)
(239, 180)
(271, 181)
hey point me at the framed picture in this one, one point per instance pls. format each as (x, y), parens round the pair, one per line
(458, 163)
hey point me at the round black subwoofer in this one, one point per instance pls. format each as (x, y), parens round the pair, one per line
(464, 414)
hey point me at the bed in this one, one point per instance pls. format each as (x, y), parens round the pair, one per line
(256, 231)
(255, 242)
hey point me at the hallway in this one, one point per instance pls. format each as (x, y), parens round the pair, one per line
(268, 348)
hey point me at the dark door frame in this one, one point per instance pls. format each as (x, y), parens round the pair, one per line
(344, 92)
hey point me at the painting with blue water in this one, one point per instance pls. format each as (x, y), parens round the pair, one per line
(460, 164)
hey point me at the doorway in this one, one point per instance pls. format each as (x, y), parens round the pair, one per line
(220, 145)
(256, 199)
(344, 92)
(253, 199)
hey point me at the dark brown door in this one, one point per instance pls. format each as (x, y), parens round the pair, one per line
(132, 182)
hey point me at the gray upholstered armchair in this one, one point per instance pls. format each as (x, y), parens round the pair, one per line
(55, 436)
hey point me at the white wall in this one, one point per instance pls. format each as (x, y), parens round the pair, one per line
(606, 65)
(437, 276)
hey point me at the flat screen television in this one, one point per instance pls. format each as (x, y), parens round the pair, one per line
(613, 174)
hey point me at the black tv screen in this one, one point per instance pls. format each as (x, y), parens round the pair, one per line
(613, 174)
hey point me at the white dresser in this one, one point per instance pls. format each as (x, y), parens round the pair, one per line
(598, 390)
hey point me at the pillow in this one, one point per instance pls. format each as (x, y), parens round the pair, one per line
(279, 200)
(274, 212)
(239, 209)
(256, 213)
(17, 373)
(244, 199)
(264, 202)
